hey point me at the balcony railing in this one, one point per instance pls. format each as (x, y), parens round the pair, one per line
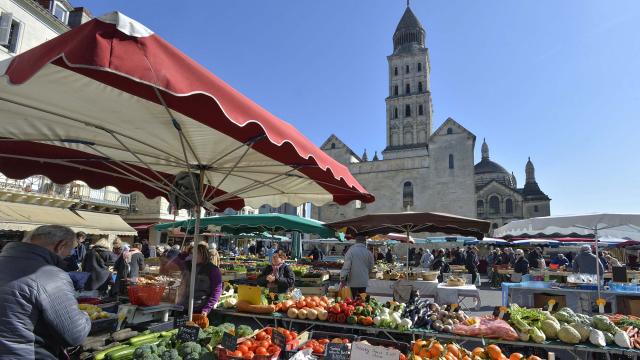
(76, 191)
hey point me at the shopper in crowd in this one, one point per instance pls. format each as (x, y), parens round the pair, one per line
(208, 284)
(39, 313)
(426, 259)
(278, 276)
(146, 250)
(272, 250)
(562, 260)
(379, 256)
(534, 257)
(447, 254)
(611, 261)
(471, 263)
(358, 263)
(80, 251)
(316, 254)
(128, 266)
(97, 262)
(214, 256)
(171, 261)
(440, 264)
(520, 266)
(333, 250)
(603, 259)
(493, 260)
(585, 262)
(417, 257)
(388, 257)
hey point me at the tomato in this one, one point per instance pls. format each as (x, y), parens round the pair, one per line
(243, 348)
(248, 344)
(345, 341)
(265, 344)
(236, 354)
(261, 335)
(248, 355)
(269, 331)
(284, 332)
(293, 333)
(261, 351)
(323, 341)
(403, 356)
(272, 349)
(289, 337)
(318, 349)
(301, 304)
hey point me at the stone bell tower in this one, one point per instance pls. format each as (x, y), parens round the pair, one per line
(409, 111)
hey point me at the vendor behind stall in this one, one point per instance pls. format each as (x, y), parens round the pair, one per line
(520, 267)
(208, 285)
(278, 276)
(440, 264)
(586, 262)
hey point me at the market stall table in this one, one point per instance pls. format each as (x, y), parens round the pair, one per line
(456, 294)
(385, 287)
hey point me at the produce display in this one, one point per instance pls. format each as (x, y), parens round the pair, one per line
(94, 312)
(434, 349)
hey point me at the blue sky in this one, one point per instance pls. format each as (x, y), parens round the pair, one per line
(555, 80)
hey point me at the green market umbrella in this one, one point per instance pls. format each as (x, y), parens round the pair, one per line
(239, 224)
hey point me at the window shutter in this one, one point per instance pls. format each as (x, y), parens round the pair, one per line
(5, 27)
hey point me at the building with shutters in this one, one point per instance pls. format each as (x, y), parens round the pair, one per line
(425, 170)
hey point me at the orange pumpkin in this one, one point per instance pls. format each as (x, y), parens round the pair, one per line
(418, 345)
(436, 350)
(201, 320)
(454, 350)
(494, 352)
(516, 356)
(479, 352)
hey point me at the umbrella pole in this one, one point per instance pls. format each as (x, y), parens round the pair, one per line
(194, 252)
(408, 248)
(595, 233)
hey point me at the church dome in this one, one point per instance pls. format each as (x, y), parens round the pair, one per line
(487, 171)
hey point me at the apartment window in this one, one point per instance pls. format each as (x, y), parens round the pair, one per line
(406, 69)
(508, 206)
(451, 161)
(407, 89)
(395, 90)
(449, 131)
(407, 110)
(419, 67)
(480, 205)
(535, 208)
(395, 71)
(60, 12)
(420, 87)
(420, 110)
(9, 32)
(395, 112)
(407, 195)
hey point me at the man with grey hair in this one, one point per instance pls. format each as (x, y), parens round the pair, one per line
(39, 316)
(358, 263)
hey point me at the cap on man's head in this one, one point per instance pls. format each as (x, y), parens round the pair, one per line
(585, 248)
(519, 252)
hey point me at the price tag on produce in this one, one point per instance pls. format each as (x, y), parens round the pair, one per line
(180, 321)
(455, 307)
(229, 341)
(502, 313)
(550, 304)
(336, 351)
(364, 351)
(188, 333)
(279, 340)
(601, 303)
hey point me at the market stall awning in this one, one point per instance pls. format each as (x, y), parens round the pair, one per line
(623, 226)
(238, 224)
(536, 242)
(26, 217)
(412, 222)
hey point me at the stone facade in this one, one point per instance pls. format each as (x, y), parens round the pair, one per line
(421, 170)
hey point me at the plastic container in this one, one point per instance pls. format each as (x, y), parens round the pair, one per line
(252, 294)
(145, 295)
(623, 287)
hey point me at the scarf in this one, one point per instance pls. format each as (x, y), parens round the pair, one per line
(127, 254)
(275, 270)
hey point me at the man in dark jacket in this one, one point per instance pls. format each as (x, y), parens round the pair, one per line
(39, 316)
(471, 263)
(278, 276)
(534, 258)
(586, 262)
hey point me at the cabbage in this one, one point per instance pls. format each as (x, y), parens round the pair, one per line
(596, 337)
(565, 315)
(568, 335)
(602, 323)
(537, 335)
(608, 338)
(550, 328)
(583, 330)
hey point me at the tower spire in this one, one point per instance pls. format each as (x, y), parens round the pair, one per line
(485, 149)
(530, 172)
(407, 3)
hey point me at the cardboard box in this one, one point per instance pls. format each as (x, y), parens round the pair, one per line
(541, 300)
(633, 307)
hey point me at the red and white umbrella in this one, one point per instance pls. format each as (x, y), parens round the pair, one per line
(111, 103)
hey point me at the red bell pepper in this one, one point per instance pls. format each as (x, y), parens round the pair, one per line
(332, 317)
(341, 318)
(335, 309)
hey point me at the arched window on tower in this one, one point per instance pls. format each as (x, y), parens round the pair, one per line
(480, 207)
(407, 89)
(333, 145)
(449, 131)
(395, 71)
(395, 112)
(407, 195)
(395, 90)
(451, 161)
(419, 67)
(494, 205)
(407, 110)
(508, 206)
(420, 87)
(420, 110)
(406, 69)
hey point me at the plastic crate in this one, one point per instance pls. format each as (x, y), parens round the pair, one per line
(316, 335)
(402, 346)
(107, 325)
(145, 295)
(222, 355)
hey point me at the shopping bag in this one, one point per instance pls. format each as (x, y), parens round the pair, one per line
(344, 292)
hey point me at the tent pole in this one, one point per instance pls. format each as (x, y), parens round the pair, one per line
(595, 233)
(194, 252)
(408, 247)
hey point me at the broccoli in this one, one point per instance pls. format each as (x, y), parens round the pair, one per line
(144, 350)
(149, 357)
(192, 357)
(189, 348)
(170, 355)
(207, 355)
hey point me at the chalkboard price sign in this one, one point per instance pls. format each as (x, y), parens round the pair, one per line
(229, 341)
(188, 333)
(180, 321)
(336, 351)
(279, 340)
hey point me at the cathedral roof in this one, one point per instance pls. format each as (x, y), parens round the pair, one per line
(409, 21)
(409, 36)
(486, 166)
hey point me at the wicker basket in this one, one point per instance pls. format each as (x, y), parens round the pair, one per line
(429, 275)
(455, 282)
(412, 276)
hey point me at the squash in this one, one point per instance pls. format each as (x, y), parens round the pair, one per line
(302, 314)
(292, 313)
(247, 307)
(312, 314)
(201, 320)
(286, 305)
